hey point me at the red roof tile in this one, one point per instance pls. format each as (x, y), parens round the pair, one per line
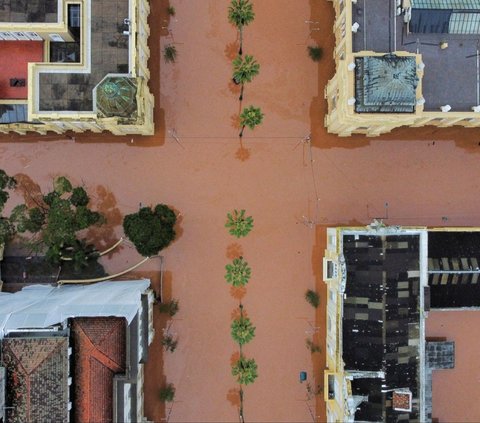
(100, 353)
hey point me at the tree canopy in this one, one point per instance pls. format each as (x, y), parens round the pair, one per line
(151, 230)
(55, 222)
(240, 13)
(245, 69)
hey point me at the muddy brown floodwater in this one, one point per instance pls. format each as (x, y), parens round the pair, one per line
(429, 178)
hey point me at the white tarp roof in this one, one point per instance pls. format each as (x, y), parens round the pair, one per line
(40, 306)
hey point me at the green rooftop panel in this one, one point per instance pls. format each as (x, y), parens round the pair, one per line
(446, 4)
(116, 97)
(385, 84)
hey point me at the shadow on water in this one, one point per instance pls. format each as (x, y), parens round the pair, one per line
(324, 14)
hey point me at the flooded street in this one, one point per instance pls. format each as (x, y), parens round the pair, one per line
(287, 184)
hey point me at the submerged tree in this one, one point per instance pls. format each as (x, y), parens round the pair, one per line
(171, 308)
(244, 70)
(167, 393)
(169, 343)
(238, 272)
(251, 116)
(242, 330)
(315, 53)
(170, 53)
(245, 370)
(151, 230)
(240, 14)
(55, 222)
(238, 224)
(312, 298)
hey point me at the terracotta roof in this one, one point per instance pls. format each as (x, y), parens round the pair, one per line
(100, 353)
(37, 378)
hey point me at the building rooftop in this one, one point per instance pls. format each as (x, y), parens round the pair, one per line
(100, 354)
(37, 378)
(381, 323)
(37, 11)
(450, 75)
(454, 270)
(385, 84)
(109, 54)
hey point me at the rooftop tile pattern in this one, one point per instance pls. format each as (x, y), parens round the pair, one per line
(99, 353)
(37, 379)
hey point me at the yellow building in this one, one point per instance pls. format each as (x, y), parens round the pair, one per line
(402, 63)
(381, 283)
(75, 65)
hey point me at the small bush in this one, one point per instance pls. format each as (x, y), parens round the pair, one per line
(312, 298)
(171, 11)
(171, 308)
(170, 53)
(167, 394)
(315, 53)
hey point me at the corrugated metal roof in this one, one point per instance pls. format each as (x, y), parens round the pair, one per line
(464, 23)
(11, 113)
(446, 4)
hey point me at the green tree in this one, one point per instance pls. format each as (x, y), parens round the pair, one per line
(244, 70)
(251, 116)
(242, 330)
(238, 272)
(167, 393)
(55, 222)
(245, 370)
(312, 298)
(238, 224)
(240, 14)
(7, 229)
(150, 230)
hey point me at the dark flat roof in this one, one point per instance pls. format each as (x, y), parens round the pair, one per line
(454, 269)
(381, 321)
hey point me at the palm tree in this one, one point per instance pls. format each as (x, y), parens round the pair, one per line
(245, 370)
(251, 116)
(238, 224)
(242, 330)
(240, 14)
(244, 70)
(238, 273)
